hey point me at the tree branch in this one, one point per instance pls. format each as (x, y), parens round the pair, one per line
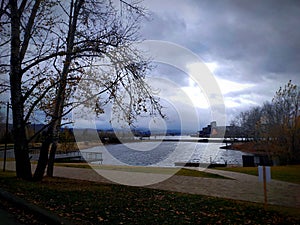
(37, 101)
(22, 7)
(28, 29)
(28, 93)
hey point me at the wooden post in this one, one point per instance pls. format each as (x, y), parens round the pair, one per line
(264, 175)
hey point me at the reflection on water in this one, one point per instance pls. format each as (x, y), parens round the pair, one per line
(166, 153)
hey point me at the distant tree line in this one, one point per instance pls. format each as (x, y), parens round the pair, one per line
(275, 126)
(66, 135)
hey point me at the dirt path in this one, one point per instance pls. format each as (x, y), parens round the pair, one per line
(240, 187)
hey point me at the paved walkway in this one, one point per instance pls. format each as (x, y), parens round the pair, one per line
(240, 187)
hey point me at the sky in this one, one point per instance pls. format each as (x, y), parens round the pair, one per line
(251, 48)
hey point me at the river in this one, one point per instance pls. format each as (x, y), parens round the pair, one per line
(165, 154)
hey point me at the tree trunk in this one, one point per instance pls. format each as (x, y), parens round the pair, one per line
(44, 152)
(50, 168)
(54, 142)
(23, 166)
(43, 159)
(61, 93)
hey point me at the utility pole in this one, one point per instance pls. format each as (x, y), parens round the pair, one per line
(6, 136)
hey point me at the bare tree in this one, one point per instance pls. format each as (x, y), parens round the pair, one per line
(19, 19)
(95, 31)
(49, 56)
(249, 120)
(287, 108)
(276, 124)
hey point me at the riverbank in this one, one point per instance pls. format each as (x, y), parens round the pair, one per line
(251, 147)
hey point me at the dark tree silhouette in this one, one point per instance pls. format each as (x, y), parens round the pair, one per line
(55, 44)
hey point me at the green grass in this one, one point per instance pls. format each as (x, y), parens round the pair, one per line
(144, 169)
(85, 202)
(283, 173)
(195, 173)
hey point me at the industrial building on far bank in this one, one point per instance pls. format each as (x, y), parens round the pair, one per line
(214, 131)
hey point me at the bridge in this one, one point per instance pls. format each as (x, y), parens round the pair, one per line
(61, 157)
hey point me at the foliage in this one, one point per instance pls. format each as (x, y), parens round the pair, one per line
(66, 140)
(276, 125)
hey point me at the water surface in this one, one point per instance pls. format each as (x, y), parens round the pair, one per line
(150, 153)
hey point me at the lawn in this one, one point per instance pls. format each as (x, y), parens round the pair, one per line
(145, 169)
(283, 173)
(84, 202)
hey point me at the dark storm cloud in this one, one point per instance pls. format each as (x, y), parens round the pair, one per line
(163, 26)
(252, 42)
(258, 36)
(262, 36)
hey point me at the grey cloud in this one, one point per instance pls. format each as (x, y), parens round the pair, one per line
(170, 73)
(162, 27)
(253, 42)
(262, 33)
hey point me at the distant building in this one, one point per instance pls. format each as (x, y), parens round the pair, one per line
(215, 131)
